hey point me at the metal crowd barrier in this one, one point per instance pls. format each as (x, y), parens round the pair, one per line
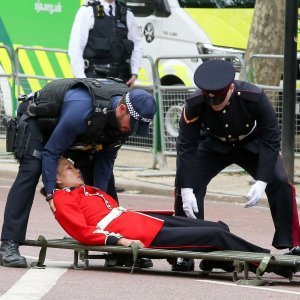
(26, 80)
(7, 87)
(149, 143)
(275, 95)
(173, 98)
(170, 99)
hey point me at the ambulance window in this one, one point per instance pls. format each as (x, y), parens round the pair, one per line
(217, 3)
(145, 8)
(141, 8)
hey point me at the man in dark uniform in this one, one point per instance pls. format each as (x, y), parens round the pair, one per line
(95, 117)
(105, 41)
(224, 122)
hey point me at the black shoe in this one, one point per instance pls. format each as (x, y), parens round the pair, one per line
(184, 265)
(10, 255)
(294, 251)
(141, 263)
(110, 262)
(209, 265)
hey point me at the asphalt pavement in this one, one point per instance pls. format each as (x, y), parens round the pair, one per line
(135, 173)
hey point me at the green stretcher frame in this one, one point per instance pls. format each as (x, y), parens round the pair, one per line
(289, 264)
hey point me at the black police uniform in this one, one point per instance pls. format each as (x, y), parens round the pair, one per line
(245, 132)
(108, 50)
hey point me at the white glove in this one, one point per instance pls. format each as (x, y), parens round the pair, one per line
(255, 193)
(189, 202)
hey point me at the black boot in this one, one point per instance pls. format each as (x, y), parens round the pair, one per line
(184, 265)
(209, 265)
(118, 261)
(10, 255)
(294, 251)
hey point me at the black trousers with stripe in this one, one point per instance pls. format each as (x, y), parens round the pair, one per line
(280, 192)
(181, 233)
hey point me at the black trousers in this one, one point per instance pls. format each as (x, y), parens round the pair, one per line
(280, 192)
(181, 233)
(21, 194)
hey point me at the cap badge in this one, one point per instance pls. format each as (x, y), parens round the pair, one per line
(211, 95)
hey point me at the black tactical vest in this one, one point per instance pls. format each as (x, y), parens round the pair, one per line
(107, 42)
(48, 102)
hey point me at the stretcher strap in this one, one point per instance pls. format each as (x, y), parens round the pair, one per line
(263, 265)
(42, 255)
(135, 251)
(259, 271)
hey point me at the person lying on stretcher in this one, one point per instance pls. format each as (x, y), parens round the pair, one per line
(92, 217)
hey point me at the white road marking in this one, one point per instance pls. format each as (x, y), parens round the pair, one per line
(250, 287)
(36, 283)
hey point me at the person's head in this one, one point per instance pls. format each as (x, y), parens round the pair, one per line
(67, 174)
(135, 112)
(215, 78)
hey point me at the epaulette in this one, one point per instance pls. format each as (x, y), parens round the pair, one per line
(191, 103)
(249, 95)
(122, 10)
(92, 3)
(97, 8)
(195, 99)
(123, 3)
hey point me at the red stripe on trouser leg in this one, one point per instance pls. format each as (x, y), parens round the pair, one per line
(295, 223)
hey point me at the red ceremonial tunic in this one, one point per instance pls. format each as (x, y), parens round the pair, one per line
(92, 217)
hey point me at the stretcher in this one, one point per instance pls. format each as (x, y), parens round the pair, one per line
(287, 264)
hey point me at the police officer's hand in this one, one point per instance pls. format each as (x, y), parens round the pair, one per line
(189, 202)
(51, 204)
(131, 80)
(255, 193)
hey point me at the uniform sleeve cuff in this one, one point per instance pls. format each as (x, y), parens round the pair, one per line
(112, 240)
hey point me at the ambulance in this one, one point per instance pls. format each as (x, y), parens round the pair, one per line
(189, 28)
(170, 28)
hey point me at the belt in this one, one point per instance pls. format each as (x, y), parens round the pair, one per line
(113, 214)
(94, 63)
(236, 138)
(93, 147)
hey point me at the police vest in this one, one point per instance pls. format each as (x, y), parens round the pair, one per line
(47, 103)
(107, 42)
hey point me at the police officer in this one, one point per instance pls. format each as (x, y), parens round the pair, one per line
(105, 41)
(224, 122)
(91, 118)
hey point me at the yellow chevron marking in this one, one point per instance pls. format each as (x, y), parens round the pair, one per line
(143, 78)
(21, 91)
(64, 64)
(5, 61)
(181, 72)
(28, 69)
(161, 70)
(45, 63)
